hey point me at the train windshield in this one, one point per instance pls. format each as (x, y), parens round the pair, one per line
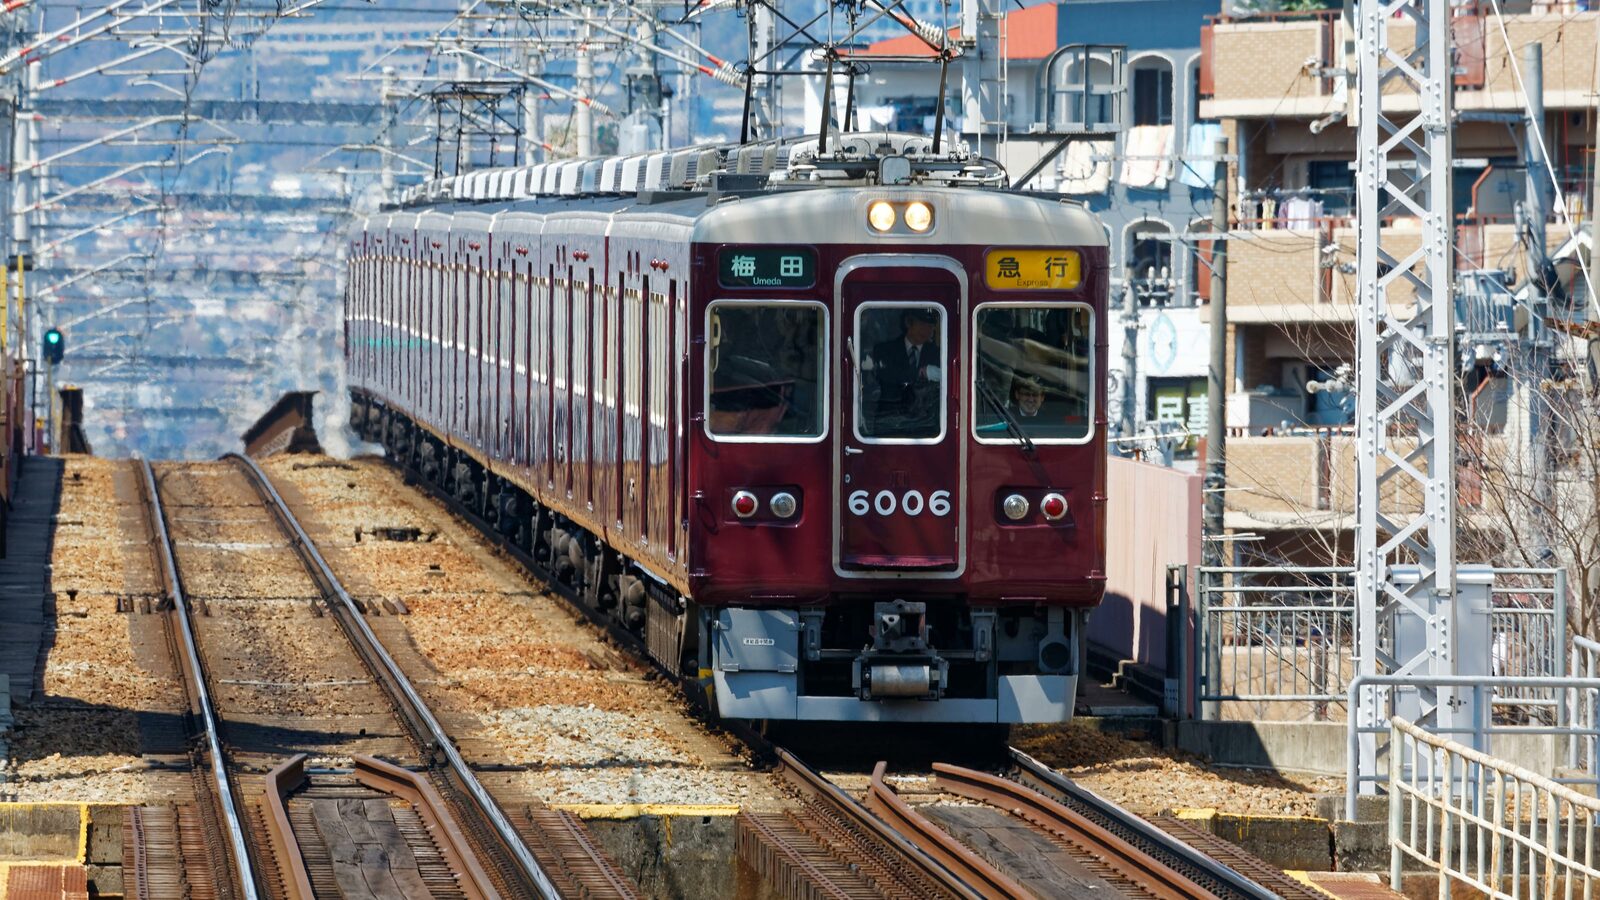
(1034, 373)
(901, 388)
(765, 378)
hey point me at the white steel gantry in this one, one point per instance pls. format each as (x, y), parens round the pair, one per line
(1404, 358)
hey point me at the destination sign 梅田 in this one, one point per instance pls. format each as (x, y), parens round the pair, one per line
(767, 267)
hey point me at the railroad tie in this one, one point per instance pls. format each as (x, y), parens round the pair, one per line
(152, 864)
(793, 862)
(881, 866)
(562, 843)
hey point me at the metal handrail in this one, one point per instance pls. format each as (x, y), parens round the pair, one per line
(1504, 814)
(1354, 730)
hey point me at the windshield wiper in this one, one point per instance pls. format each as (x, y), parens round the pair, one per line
(1012, 425)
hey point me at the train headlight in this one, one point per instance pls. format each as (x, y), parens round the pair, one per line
(919, 217)
(880, 215)
(1015, 506)
(745, 504)
(784, 505)
(1054, 506)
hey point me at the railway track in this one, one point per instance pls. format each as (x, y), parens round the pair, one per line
(999, 839)
(832, 845)
(293, 830)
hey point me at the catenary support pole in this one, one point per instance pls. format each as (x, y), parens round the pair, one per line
(1217, 372)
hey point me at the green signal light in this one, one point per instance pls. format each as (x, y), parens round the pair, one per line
(53, 336)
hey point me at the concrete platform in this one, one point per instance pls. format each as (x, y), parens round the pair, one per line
(1349, 885)
(25, 613)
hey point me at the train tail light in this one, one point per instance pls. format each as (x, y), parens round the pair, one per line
(745, 504)
(1015, 506)
(784, 505)
(1054, 506)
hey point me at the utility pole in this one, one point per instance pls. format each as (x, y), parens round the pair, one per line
(532, 111)
(583, 116)
(1130, 361)
(1216, 479)
(982, 100)
(386, 96)
(1535, 159)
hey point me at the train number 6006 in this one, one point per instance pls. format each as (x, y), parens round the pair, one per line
(885, 503)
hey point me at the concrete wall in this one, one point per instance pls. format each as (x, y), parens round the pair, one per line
(1152, 521)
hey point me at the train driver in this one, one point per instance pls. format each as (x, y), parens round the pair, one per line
(907, 372)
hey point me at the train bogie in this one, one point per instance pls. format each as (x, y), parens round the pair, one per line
(838, 471)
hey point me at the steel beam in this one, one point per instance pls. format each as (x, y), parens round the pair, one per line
(1405, 367)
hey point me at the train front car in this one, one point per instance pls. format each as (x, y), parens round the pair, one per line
(899, 465)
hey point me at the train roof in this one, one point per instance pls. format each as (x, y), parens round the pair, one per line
(806, 189)
(812, 216)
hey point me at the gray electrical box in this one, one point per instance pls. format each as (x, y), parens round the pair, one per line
(1467, 623)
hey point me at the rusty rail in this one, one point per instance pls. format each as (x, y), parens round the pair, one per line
(279, 784)
(1127, 860)
(914, 856)
(412, 788)
(1255, 882)
(971, 868)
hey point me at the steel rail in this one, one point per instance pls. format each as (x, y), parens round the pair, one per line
(1154, 876)
(971, 868)
(384, 665)
(231, 810)
(929, 865)
(1153, 838)
(283, 780)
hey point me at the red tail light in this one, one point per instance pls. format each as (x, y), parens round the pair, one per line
(745, 504)
(1054, 506)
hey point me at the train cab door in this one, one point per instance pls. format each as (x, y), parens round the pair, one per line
(900, 453)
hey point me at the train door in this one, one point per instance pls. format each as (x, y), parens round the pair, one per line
(899, 464)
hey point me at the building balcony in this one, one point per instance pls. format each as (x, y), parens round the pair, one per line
(1307, 274)
(1283, 66)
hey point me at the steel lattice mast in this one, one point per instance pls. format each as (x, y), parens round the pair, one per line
(1405, 364)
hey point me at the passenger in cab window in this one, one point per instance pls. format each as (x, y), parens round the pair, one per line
(1036, 363)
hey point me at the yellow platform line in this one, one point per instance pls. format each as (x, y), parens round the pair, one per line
(636, 810)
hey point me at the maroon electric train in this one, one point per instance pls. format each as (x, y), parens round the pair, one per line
(825, 429)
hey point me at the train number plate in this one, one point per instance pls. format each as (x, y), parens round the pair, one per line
(889, 503)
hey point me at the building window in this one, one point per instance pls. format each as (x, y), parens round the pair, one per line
(1149, 268)
(1152, 95)
(1334, 183)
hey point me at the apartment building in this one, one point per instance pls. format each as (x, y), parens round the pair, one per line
(1278, 85)
(1125, 74)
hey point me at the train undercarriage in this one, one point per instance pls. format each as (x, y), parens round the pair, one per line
(867, 657)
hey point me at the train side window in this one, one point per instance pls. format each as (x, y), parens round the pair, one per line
(900, 391)
(1033, 372)
(766, 379)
